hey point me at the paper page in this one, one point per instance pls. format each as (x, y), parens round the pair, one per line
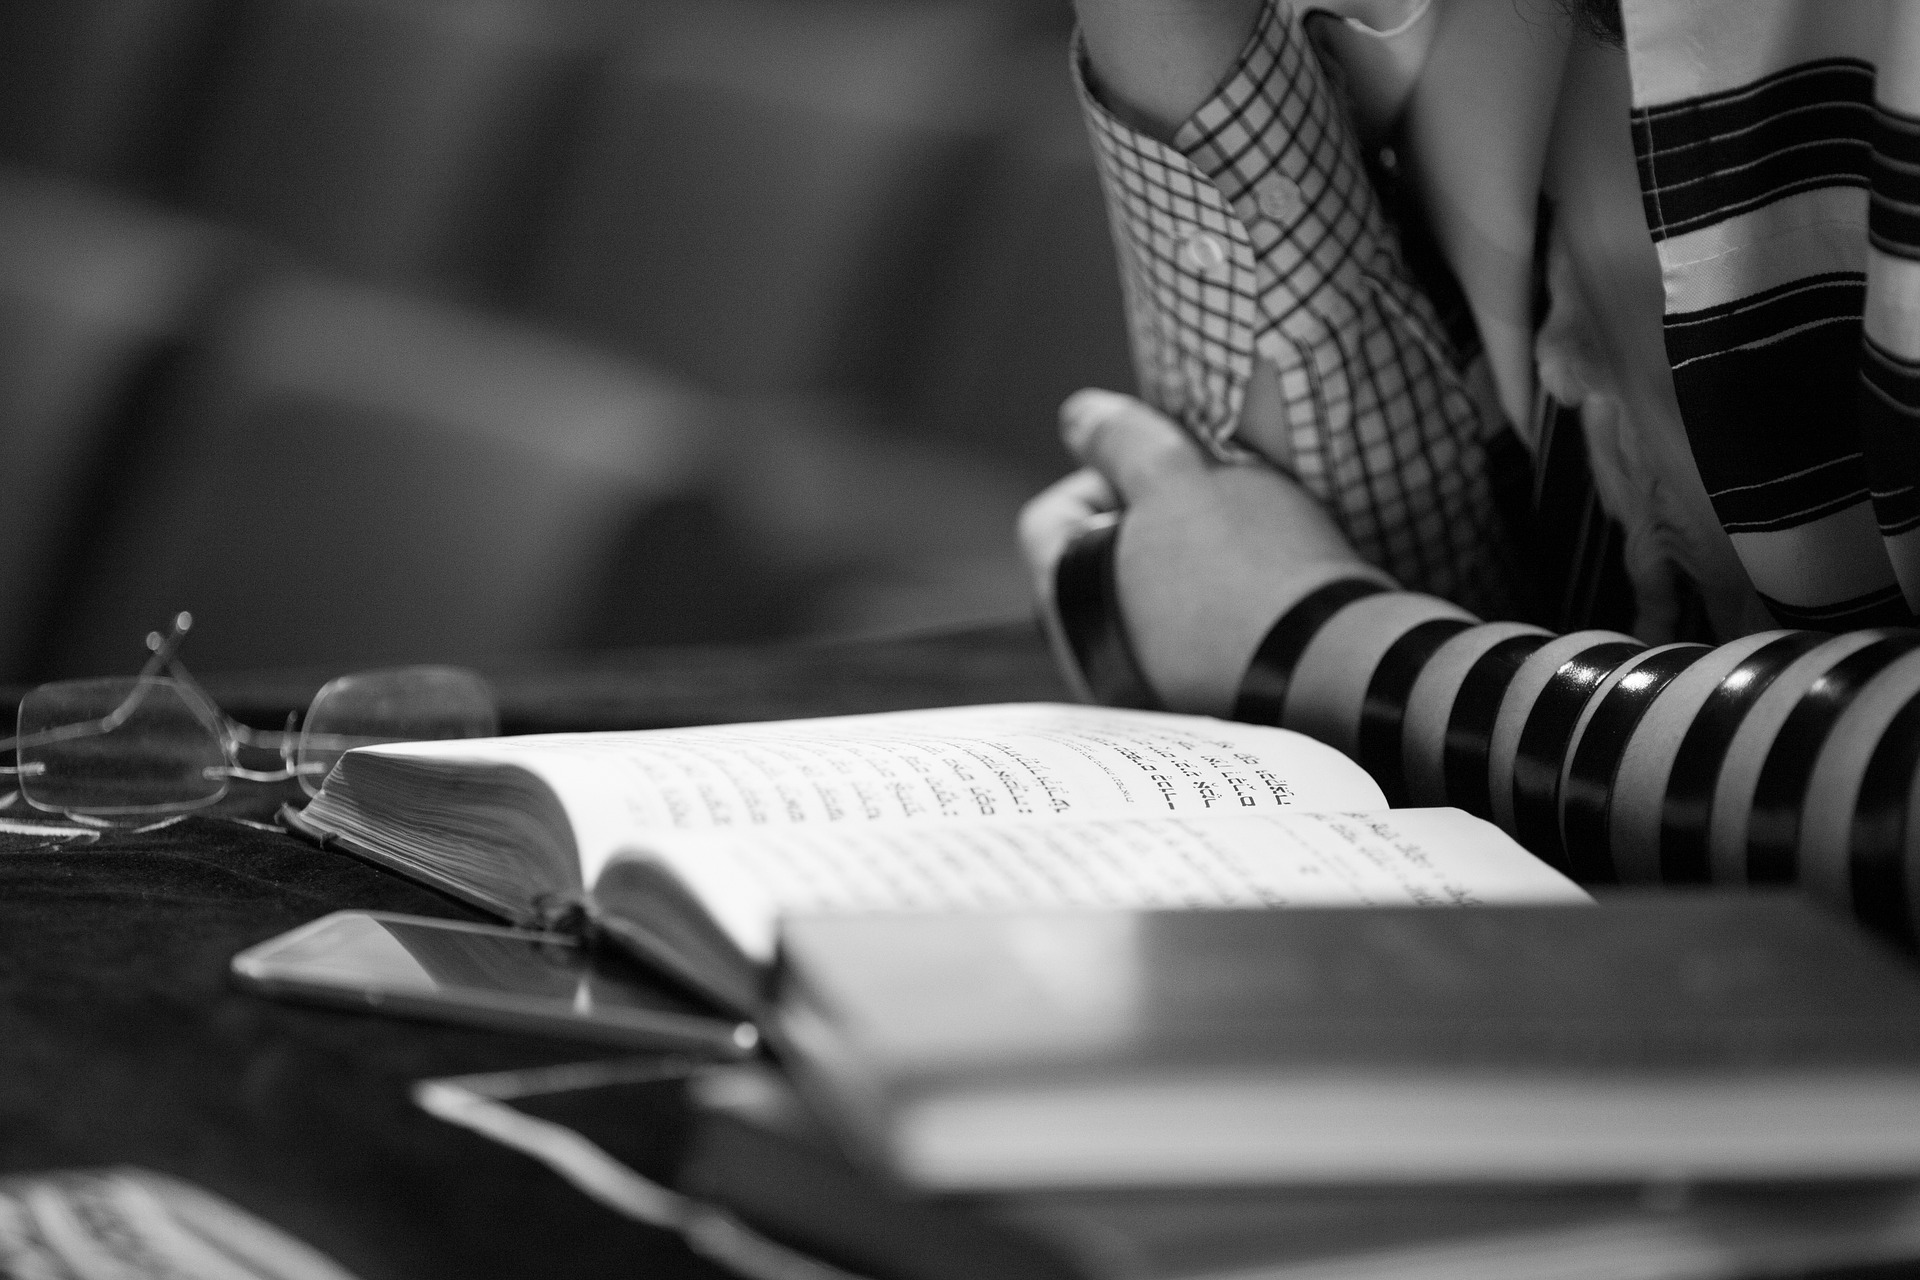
(1418, 857)
(1022, 760)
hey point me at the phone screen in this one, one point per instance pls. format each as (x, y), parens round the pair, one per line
(508, 978)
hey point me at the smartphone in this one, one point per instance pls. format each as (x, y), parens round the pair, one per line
(482, 975)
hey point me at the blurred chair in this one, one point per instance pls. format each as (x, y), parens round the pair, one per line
(404, 141)
(105, 90)
(891, 533)
(1036, 312)
(353, 477)
(97, 296)
(765, 191)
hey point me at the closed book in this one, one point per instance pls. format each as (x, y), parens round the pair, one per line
(1674, 1037)
(733, 1159)
(754, 1150)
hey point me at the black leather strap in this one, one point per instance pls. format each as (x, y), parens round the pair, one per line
(1586, 798)
(1773, 828)
(1383, 714)
(1877, 853)
(1086, 595)
(1544, 741)
(1687, 808)
(1476, 707)
(1263, 690)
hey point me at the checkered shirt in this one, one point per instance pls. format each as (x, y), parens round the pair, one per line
(1258, 235)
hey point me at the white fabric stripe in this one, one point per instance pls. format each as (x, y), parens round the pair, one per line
(1893, 303)
(1748, 40)
(1830, 560)
(1755, 302)
(1898, 85)
(1815, 232)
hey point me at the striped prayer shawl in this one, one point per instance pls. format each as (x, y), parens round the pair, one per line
(1779, 160)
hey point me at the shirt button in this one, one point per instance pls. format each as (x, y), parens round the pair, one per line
(1279, 199)
(1202, 251)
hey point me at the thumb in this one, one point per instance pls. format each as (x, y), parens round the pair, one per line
(1133, 445)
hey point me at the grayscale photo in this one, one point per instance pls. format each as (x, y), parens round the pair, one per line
(960, 639)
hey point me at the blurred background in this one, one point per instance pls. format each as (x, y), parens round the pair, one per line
(390, 330)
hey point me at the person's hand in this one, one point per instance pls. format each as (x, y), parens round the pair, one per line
(1208, 556)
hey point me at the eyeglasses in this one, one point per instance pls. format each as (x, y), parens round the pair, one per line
(156, 744)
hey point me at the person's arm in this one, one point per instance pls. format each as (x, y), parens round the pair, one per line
(1156, 61)
(1783, 756)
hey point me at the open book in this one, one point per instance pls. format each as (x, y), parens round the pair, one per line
(690, 845)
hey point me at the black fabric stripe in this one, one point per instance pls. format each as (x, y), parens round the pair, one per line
(1896, 185)
(1470, 721)
(1893, 216)
(1586, 796)
(1890, 435)
(1897, 511)
(1893, 375)
(1876, 848)
(1087, 598)
(1774, 428)
(1696, 121)
(1263, 690)
(1884, 607)
(1687, 808)
(1773, 827)
(1793, 500)
(1893, 230)
(1700, 199)
(1383, 713)
(1761, 316)
(1899, 514)
(1895, 133)
(1712, 157)
(1544, 742)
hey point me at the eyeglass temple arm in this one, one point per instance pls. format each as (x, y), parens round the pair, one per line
(161, 650)
(281, 740)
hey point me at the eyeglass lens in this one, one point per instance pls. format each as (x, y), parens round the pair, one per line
(401, 704)
(167, 755)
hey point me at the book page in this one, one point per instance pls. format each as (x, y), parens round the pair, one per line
(1026, 760)
(1400, 857)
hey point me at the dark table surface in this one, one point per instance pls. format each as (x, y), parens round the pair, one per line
(123, 1042)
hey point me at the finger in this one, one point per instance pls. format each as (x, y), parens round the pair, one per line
(1127, 441)
(1051, 519)
(1089, 487)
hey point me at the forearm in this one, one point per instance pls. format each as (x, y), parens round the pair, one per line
(1156, 61)
(1785, 756)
